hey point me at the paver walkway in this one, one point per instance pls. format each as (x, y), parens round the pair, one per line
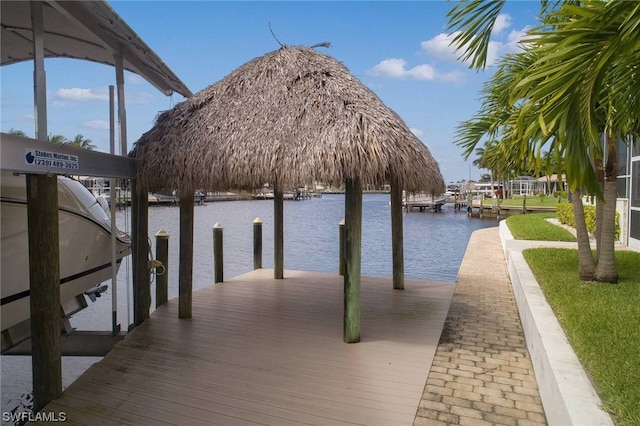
(482, 372)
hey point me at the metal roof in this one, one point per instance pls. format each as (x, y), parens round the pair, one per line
(89, 30)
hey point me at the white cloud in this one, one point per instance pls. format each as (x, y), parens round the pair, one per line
(440, 47)
(82, 95)
(422, 72)
(97, 124)
(503, 21)
(397, 68)
(416, 132)
(390, 68)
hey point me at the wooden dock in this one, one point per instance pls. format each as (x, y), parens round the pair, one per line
(265, 351)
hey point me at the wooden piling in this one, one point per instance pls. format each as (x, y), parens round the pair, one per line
(185, 269)
(162, 255)
(353, 240)
(141, 267)
(397, 237)
(341, 247)
(278, 234)
(257, 243)
(218, 265)
(44, 277)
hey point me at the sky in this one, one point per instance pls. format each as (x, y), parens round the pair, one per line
(400, 50)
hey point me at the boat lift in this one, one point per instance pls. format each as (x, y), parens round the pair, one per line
(89, 30)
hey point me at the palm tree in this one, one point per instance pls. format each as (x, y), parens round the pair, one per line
(57, 139)
(577, 79)
(80, 142)
(15, 132)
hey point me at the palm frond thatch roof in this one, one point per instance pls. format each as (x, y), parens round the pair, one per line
(290, 117)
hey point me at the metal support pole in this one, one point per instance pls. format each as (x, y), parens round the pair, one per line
(115, 327)
(257, 243)
(218, 261)
(122, 111)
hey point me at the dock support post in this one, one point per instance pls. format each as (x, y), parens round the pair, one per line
(185, 271)
(44, 246)
(353, 240)
(141, 267)
(257, 243)
(341, 244)
(218, 265)
(397, 237)
(44, 273)
(162, 255)
(278, 231)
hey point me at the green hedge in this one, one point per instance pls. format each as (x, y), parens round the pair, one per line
(564, 213)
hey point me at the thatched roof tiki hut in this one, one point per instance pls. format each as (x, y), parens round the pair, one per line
(291, 117)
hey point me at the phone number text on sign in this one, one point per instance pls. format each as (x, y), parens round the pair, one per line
(57, 160)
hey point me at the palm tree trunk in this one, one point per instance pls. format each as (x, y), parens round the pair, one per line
(599, 204)
(586, 262)
(606, 270)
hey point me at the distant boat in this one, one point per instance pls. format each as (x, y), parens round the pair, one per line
(85, 251)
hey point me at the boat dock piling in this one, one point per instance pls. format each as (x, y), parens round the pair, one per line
(162, 256)
(257, 243)
(218, 264)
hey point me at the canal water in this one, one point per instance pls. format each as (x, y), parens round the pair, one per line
(434, 247)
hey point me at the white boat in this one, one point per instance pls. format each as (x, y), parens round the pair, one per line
(85, 251)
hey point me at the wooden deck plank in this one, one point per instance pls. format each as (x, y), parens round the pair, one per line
(266, 351)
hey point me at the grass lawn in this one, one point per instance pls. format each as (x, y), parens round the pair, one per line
(533, 226)
(532, 201)
(602, 323)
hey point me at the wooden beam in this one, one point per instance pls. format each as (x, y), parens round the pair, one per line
(44, 277)
(397, 237)
(141, 268)
(44, 245)
(278, 234)
(352, 241)
(185, 279)
(162, 255)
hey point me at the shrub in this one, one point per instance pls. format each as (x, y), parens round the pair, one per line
(564, 213)
(561, 194)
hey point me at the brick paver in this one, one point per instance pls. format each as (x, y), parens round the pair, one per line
(481, 373)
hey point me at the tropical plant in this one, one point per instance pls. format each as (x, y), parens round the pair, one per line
(80, 142)
(15, 132)
(57, 139)
(576, 78)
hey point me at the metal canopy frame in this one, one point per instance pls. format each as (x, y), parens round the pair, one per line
(89, 30)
